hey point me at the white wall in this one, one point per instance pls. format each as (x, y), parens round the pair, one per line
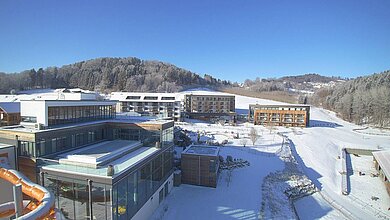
(39, 108)
(6, 187)
(34, 109)
(152, 204)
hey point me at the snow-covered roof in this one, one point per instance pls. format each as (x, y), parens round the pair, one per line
(383, 158)
(281, 105)
(10, 107)
(202, 150)
(145, 96)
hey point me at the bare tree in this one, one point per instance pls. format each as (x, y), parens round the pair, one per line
(253, 135)
(244, 141)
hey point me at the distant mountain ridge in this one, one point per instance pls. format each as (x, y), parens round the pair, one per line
(109, 74)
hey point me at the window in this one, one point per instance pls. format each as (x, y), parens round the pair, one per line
(150, 98)
(29, 119)
(133, 97)
(161, 195)
(73, 114)
(27, 148)
(167, 98)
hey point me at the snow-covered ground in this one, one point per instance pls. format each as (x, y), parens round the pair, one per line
(238, 194)
(316, 150)
(236, 197)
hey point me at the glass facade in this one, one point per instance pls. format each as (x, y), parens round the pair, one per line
(46, 146)
(147, 137)
(53, 145)
(74, 114)
(72, 198)
(120, 201)
(131, 192)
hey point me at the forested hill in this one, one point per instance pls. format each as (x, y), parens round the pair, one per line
(364, 100)
(109, 74)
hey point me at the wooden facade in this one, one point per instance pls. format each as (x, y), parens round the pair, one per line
(7, 119)
(201, 170)
(278, 115)
(28, 167)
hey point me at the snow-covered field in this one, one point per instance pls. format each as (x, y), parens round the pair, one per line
(238, 194)
(315, 149)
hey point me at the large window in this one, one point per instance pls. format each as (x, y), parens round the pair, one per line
(74, 114)
(27, 148)
(29, 119)
(131, 192)
(53, 145)
(72, 198)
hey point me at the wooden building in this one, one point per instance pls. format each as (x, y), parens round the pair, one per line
(199, 165)
(280, 115)
(382, 165)
(9, 113)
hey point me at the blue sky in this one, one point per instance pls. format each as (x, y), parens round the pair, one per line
(232, 40)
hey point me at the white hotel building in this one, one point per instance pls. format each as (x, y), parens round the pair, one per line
(162, 105)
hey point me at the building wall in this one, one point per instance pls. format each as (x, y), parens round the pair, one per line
(385, 179)
(5, 186)
(39, 109)
(298, 118)
(154, 201)
(210, 107)
(196, 170)
(159, 109)
(209, 104)
(7, 119)
(280, 115)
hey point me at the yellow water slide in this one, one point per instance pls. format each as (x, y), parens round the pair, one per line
(40, 203)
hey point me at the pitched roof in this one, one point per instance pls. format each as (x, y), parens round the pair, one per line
(10, 107)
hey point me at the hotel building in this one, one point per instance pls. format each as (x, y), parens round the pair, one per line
(210, 107)
(161, 105)
(98, 165)
(280, 115)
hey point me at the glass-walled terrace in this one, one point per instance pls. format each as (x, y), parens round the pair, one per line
(122, 200)
(78, 138)
(147, 137)
(133, 191)
(74, 114)
(64, 142)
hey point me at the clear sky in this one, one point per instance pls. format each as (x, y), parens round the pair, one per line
(228, 39)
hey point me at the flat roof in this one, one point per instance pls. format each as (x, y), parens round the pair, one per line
(5, 145)
(120, 164)
(140, 96)
(118, 119)
(281, 105)
(202, 150)
(100, 153)
(383, 158)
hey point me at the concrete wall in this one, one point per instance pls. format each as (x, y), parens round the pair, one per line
(34, 109)
(6, 187)
(153, 202)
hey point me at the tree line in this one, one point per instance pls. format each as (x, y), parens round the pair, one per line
(364, 100)
(109, 74)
